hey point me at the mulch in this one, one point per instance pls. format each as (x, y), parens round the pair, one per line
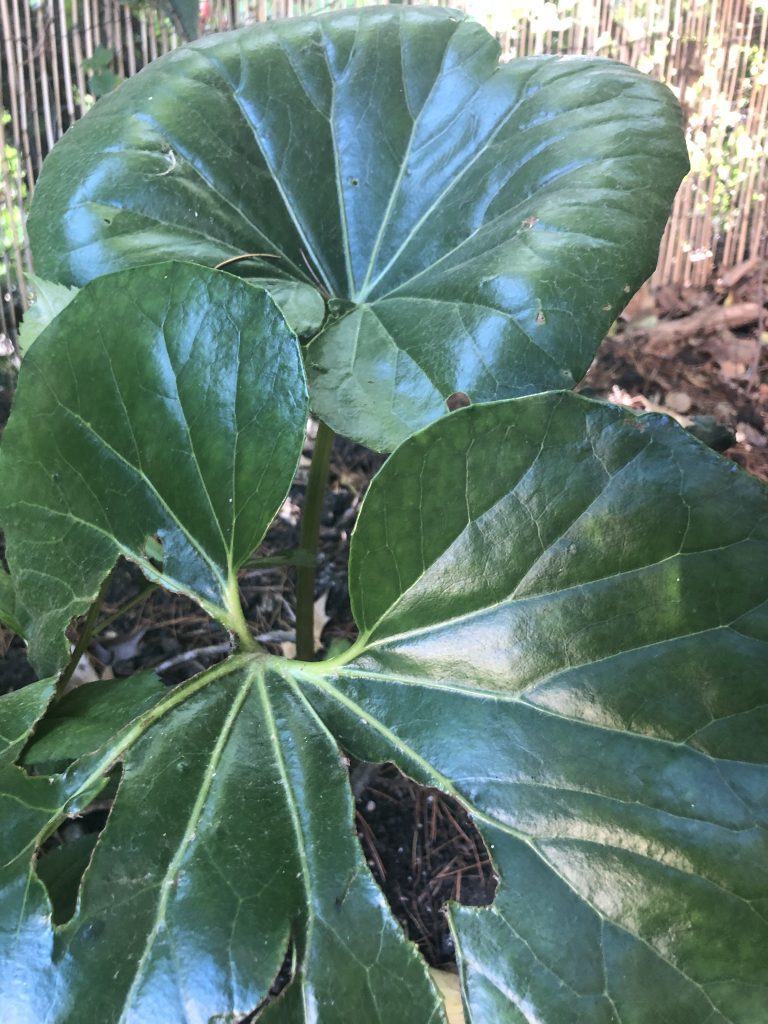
(699, 355)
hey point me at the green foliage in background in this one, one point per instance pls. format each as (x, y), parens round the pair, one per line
(13, 192)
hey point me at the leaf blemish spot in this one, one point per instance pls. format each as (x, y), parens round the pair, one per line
(458, 400)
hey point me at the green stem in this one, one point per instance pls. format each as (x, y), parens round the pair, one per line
(83, 640)
(236, 617)
(294, 557)
(142, 594)
(308, 542)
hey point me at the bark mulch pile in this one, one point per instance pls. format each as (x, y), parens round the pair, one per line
(700, 355)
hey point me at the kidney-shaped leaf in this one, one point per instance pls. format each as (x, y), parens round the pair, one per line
(565, 624)
(166, 400)
(476, 227)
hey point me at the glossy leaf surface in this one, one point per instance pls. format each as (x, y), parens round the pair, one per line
(166, 400)
(475, 228)
(26, 806)
(230, 843)
(301, 304)
(85, 719)
(564, 624)
(565, 613)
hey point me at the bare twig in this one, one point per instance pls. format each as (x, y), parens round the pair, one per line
(180, 659)
(707, 321)
(113, 616)
(246, 256)
(82, 644)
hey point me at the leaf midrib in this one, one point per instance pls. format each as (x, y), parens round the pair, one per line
(200, 548)
(365, 287)
(164, 885)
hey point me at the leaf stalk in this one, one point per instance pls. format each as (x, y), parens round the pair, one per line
(236, 621)
(142, 595)
(308, 542)
(86, 633)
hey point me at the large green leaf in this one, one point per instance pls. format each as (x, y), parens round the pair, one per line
(27, 805)
(475, 228)
(564, 623)
(165, 400)
(230, 844)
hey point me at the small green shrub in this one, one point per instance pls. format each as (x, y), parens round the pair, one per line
(562, 607)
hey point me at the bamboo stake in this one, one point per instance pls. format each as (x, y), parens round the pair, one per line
(130, 41)
(42, 74)
(55, 70)
(33, 92)
(78, 58)
(68, 92)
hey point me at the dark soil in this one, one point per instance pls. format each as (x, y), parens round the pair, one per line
(15, 670)
(424, 850)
